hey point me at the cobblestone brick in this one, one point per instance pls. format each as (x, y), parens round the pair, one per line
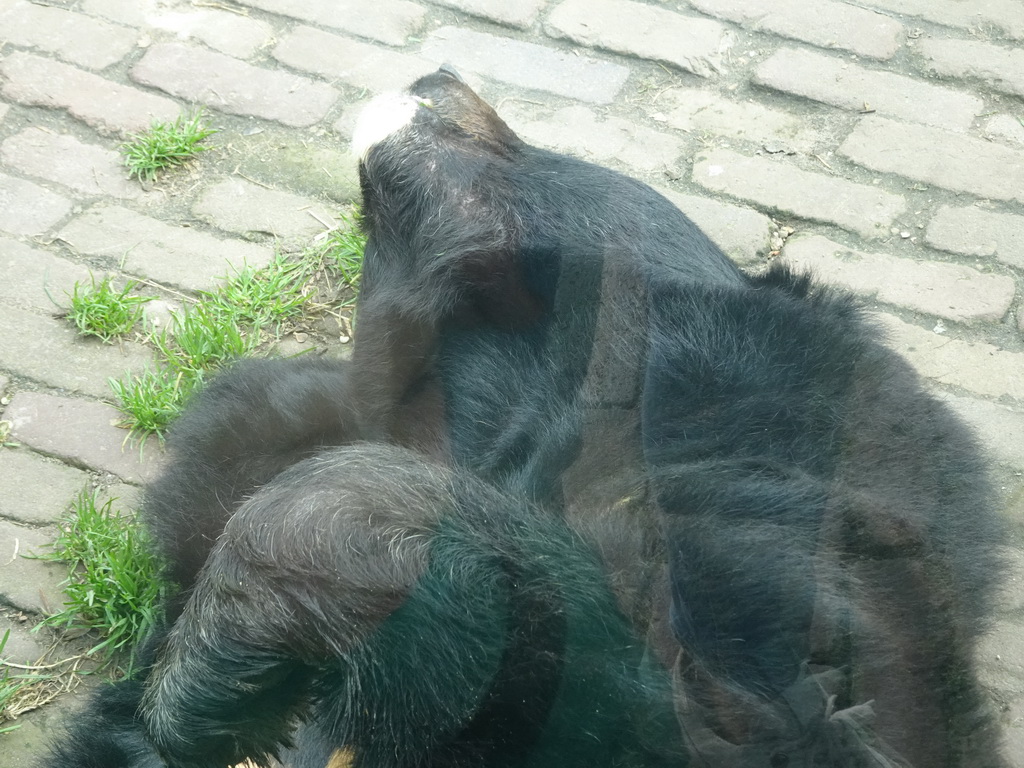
(976, 366)
(937, 157)
(389, 21)
(833, 81)
(36, 279)
(23, 646)
(308, 168)
(122, 496)
(526, 65)
(1005, 128)
(238, 206)
(576, 130)
(1003, 14)
(345, 125)
(1013, 596)
(999, 66)
(27, 583)
(27, 208)
(692, 44)
(1002, 648)
(74, 37)
(150, 248)
(160, 313)
(129, 12)
(82, 432)
(105, 105)
(349, 61)
(35, 490)
(85, 168)
(514, 13)
(52, 352)
(1013, 714)
(230, 33)
(24, 745)
(949, 291)
(743, 233)
(977, 232)
(693, 110)
(791, 191)
(836, 25)
(1000, 429)
(233, 86)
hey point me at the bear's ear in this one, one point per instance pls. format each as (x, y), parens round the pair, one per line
(459, 113)
(438, 110)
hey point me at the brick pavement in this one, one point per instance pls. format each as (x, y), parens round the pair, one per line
(880, 142)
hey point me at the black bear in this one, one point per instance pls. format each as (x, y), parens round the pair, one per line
(577, 341)
(638, 508)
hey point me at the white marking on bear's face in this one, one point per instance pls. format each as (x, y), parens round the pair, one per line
(383, 116)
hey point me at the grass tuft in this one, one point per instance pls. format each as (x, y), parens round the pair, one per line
(153, 400)
(114, 584)
(103, 311)
(202, 338)
(12, 685)
(343, 250)
(222, 325)
(165, 145)
(264, 298)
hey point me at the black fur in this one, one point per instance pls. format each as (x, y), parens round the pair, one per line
(240, 432)
(417, 615)
(821, 509)
(106, 733)
(478, 242)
